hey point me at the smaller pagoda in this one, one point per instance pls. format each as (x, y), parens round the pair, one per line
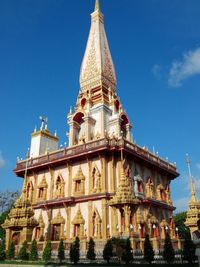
(193, 213)
(20, 222)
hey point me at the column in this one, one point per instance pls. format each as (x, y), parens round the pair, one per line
(68, 211)
(103, 174)
(127, 213)
(51, 171)
(104, 219)
(90, 226)
(35, 187)
(128, 132)
(70, 180)
(112, 170)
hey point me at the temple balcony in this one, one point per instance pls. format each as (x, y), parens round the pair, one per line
(97, 147)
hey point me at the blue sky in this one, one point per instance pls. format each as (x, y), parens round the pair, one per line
(155, 47)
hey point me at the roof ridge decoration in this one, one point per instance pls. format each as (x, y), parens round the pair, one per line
(97, 66)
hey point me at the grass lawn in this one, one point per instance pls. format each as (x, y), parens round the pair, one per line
(94, 264)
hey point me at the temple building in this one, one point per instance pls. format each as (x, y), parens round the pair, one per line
(193, 213)
(101, 184)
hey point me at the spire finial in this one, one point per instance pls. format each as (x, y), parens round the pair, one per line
(192, 185)
(97, 6)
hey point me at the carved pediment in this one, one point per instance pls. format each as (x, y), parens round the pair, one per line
(78, 219)
(58, 219)
(43, 183)
(79, 175)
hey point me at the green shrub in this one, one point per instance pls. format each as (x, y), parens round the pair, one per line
(148, 250)
(11, 251)
(46, 256)
(23, 254)
(2, 250)
(127, 255)
(91, 250)
(168, 252)
(34, 251)
(189, 249)
(75, 251)
(108, 251)
(61, 251)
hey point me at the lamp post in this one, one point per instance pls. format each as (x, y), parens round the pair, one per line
(46, 235)
(139, 229)
(176, 231)
(85, 229)
(131, 230)
(154, 229)
(108, 231)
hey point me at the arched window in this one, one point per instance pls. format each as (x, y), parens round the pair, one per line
(93, 177)
(124, 123)
(56, 230)
(79, 133)
(140, 187)
(94, 224)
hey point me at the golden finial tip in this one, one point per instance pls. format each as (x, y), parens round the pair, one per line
(97, 5)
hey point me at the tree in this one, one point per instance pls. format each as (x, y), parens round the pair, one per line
(7, 199)
(34, 251)
(61, 251)
(46, 256)
(75, 251)
(148, 250)
(91, 250)
(2, 250)
(3, 217)
(179, 220)
(11, 251)
(168, 252)
(108, 251)
(189, 249)
(127, 255)
(23, 254)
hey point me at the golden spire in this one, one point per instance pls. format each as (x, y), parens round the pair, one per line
(192, 184)
(97, 66)
(97, 6)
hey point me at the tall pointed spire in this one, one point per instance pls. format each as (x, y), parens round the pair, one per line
(97, 6)
(97, 67)
(192, 184)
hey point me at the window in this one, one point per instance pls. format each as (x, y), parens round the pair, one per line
(78, 186)
(140, 187)
(56, 232)
(94, 224)
(77, 230)
(37, 233)
(40, 193)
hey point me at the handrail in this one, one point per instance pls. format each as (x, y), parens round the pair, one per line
(94, 145)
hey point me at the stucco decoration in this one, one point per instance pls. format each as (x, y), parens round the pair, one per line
(124, 194)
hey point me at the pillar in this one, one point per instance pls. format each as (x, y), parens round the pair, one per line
(103, 174)
(104, 219)
(89, 230)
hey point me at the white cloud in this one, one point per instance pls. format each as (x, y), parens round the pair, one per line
(181, 204)
(2, 160)
(185, 68)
